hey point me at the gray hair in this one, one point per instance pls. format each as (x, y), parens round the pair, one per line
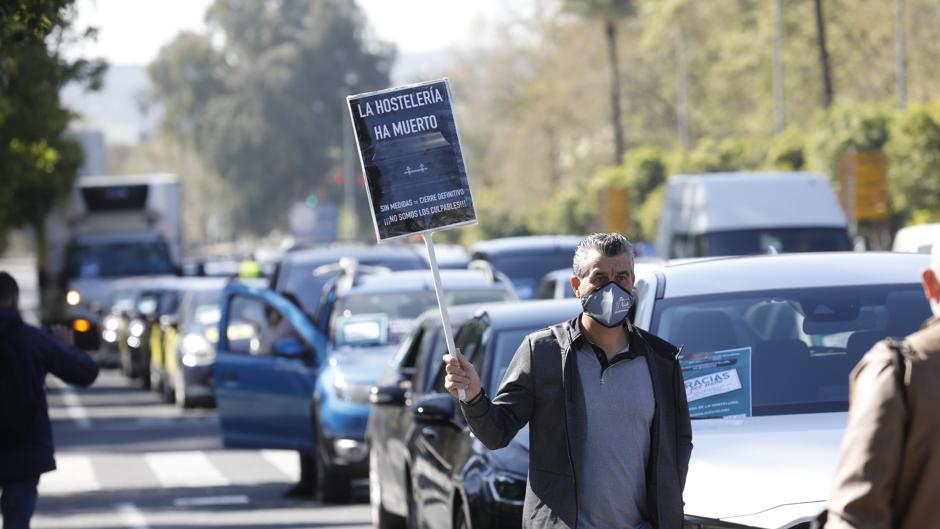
(607, 244)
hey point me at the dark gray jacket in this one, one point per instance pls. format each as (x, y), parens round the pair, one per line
(541, 388)
(34, 354)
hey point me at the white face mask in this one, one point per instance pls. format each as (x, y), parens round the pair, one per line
(609, 305)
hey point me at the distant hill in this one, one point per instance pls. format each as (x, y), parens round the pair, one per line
(116, 110)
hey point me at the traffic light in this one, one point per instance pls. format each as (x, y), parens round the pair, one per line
(312, 200)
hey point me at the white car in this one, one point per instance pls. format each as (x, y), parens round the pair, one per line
(767, 346)
(919, 238)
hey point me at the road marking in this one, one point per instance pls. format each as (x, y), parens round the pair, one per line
(74, 407)
(130, 515)
(73, 474)
(286, 461)
(210, 501)
(185, 469)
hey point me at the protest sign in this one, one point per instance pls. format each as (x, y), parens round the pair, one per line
(411, 158)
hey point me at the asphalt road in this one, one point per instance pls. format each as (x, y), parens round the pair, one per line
(127, 460)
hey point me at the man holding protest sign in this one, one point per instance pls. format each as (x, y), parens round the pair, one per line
(605, 403)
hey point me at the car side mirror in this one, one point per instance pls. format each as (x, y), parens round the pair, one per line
(290, 347)
(436, 408)
(388, 395)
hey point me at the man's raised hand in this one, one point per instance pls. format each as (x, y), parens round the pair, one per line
(461, 375)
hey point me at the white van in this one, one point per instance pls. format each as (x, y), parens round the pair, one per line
(750, 213)
(916, 239)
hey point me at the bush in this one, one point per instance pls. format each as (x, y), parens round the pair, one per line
(728, 155)
(787, 151)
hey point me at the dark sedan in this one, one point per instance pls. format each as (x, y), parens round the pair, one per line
(455, 480)
(391, 427)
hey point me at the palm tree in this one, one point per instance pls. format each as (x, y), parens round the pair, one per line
(609, 12)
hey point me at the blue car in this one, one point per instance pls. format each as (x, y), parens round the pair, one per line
(288, 380)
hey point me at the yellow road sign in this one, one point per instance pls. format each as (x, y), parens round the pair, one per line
(863, 177)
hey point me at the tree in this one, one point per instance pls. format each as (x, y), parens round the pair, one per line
(265, 108)
(823, 54)
(609, 12)
(38, 161)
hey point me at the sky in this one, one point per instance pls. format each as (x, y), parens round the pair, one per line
(414, 25)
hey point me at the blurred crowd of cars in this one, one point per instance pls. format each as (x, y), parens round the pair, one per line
(336, 354)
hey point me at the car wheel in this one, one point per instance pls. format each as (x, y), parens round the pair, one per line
(381, 519)
(168, 392)
(333, 486)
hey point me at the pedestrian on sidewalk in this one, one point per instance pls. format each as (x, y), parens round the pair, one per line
(26, 355)
(889, 470)
(605, 403)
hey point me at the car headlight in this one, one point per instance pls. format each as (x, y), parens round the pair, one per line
(112, 322)
(351, 391)
(136, 328)
(73, 297)
(196, 350)
(506, 488)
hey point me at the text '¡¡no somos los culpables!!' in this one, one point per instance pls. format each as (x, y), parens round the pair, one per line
(402, 102)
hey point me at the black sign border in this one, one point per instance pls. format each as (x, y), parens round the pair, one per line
(362, 165)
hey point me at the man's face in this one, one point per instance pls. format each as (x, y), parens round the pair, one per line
(601, 270)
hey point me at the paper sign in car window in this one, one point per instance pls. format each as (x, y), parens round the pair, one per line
(412, 160)
(718, 384)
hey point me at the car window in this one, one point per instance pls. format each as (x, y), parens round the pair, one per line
(525, 269)
(433, 349)
(405, 356)
(405, 306)
(254, 327)
(784, 351)
(503, 349)
(469, 341)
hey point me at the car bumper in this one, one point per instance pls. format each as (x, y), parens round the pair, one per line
(348, 455)
(198, 381)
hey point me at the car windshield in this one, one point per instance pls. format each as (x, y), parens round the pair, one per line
(307, 287)
(525, 269)
(781, 352)
(761, 241)
(504, 347)
(206, 309)
(118, 259)
(408, 305)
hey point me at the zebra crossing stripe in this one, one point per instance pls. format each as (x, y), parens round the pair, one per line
(130, 515)
(185, 469)
(73, 474)
(286, 461)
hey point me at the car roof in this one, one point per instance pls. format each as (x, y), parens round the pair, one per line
(535, 313)
(458, 314)
(421, 280)
(912, 238)
(789, 271)
(335, 253)
(522, 244)
(748, 200)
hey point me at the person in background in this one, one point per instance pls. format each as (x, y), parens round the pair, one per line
(605, 403)
(26, 356)
(889, 469)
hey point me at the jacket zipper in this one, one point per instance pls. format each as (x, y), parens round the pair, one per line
(574, 475)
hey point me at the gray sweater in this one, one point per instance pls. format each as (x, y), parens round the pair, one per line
(612, 461)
